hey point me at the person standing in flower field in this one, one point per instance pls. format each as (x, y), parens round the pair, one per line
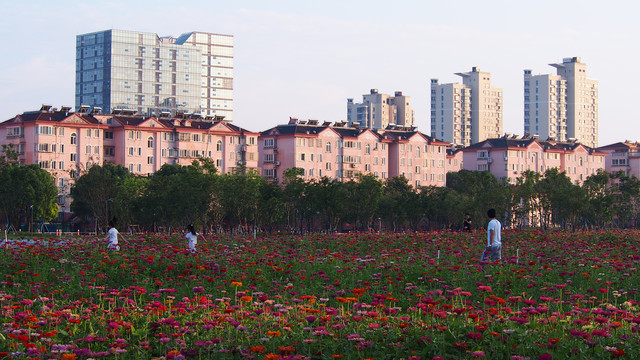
(493, 250)
(466, 224)
(192, 237)
(113, 236)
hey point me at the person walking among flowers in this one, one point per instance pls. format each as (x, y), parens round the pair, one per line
(493, 250)
(192, 238)
(113, 236)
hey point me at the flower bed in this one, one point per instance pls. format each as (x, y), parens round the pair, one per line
(349, 296)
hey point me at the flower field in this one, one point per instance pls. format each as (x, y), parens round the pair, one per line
(555, 295)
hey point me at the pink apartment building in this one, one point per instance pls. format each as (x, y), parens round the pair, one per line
(341, 153)
(418, 157)
(509, 157)
(66, 144)
(454, 159)
(622, 156)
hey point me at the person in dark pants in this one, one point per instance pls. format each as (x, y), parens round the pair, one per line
(466, 224)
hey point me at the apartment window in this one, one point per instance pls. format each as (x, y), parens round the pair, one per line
(45, 130)
(74, 139)
(108, 134)
(88, 133)
(219, 145)
(15, 132)
(96, 133)
(73, 157)
(150, 142)
(269, 143)
(328, 147)
(150, 160)
(88, 150)
(367, 149)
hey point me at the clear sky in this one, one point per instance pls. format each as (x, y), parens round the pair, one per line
(305, 58)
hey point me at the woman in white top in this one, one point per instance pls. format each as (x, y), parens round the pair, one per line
(192, 237)
(113, 237)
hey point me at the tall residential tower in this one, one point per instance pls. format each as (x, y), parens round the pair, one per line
(562, 106)
(152, 75)
(466, 113)
(378, 110)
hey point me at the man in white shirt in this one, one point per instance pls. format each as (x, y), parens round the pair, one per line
(493, 250)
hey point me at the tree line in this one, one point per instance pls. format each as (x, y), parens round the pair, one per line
(243, 201)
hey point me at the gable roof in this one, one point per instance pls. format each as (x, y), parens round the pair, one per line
(53, 116)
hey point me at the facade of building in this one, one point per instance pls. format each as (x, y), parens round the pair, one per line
(341, 152)
(563, 106)
(377, 111)
(454, 159)
(68, 143)
(623, 156)
(155, 76)
(509, 157)
(467, 113)
(451, 112)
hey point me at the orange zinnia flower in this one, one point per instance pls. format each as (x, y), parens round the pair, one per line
(286, 350)
(257, 349)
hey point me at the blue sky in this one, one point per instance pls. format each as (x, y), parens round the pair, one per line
(304, 59)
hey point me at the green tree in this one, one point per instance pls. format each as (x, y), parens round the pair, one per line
(561, 200)
(481, 191)
(396, 202)
(295, 197)
(327, 199)
(365, 199)
(527, 207)
(27, 190)
(625, 190)
(178, 195)
(600, 201)
(100, 188)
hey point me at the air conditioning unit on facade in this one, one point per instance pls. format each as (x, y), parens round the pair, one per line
(277, 163)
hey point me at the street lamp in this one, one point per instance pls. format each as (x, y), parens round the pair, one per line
(31, 221)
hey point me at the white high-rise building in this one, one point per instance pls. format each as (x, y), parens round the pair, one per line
(378, 110)
(562, 106)
(153, 75)
(466, 113)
